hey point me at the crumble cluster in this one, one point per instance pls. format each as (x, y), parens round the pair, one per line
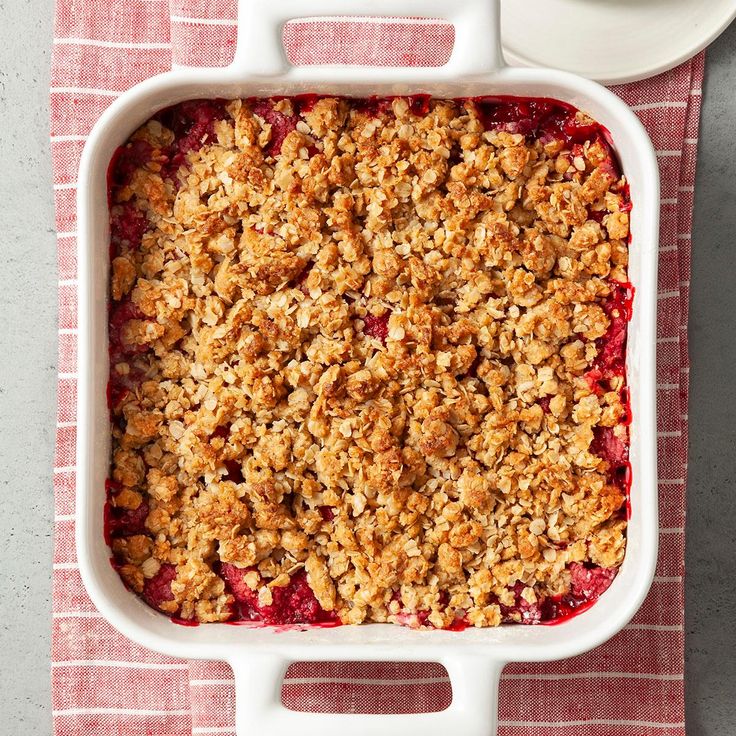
(356, 363)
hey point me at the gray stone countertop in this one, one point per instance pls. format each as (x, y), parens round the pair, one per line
(28, 386)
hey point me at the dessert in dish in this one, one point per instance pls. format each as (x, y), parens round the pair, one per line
(367, 361)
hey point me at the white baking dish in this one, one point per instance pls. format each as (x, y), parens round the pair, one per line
(260, 655)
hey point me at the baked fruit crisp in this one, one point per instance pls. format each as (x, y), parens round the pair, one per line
(367, 361)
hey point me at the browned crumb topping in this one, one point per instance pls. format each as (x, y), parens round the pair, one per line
(365, 356)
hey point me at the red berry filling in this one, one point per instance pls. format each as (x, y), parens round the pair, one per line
(327, 513)
(294, 603)
(415, 619)
(376, 327)
(612, 346)
(609, 446)
(418, 104)
(116, 393)
(120, 315)
(594, 377)
(234, 471)
(127, 227)
(587, 584)
(373, 106)
(305, 103)
(520, 611)
(193, 125)
(281, 124)
(590, 582)
(121, 522)
(610, 364)
(126, 522)
(157, 590)
(125, 161)
(544, 119)
(536, 117)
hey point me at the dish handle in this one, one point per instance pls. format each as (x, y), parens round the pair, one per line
(258, 707)
(477, 48)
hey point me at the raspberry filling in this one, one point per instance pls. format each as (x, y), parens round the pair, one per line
(294, 603)
(157, 590)
(281, 124)
(539, 118)
(120, 522)
(418, 104)
(125, 161)
(610, 447)
(116, 393)
(127, 227)
(234, 471)
(327, 513)
(193, 125)
(587, 584)
(608, 443)
(120, 315)
(376, 327)
(521, 610)
(126, 522)
(413, 620)
(611, 360)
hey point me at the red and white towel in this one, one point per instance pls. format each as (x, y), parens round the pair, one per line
(104, 684)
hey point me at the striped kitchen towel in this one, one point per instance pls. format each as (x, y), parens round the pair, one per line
(104, 684)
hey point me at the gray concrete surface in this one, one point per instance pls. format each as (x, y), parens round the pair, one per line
(28, 387)
(710, 673)
(27, 367)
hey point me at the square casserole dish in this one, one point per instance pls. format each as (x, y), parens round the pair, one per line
(260, 655)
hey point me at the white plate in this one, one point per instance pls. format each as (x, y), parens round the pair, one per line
(611, 41)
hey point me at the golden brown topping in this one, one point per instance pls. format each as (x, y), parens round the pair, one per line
(359, 350)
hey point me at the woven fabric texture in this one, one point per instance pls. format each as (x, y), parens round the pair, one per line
(104, 684)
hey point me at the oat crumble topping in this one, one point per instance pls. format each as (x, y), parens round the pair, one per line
(367, 361)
